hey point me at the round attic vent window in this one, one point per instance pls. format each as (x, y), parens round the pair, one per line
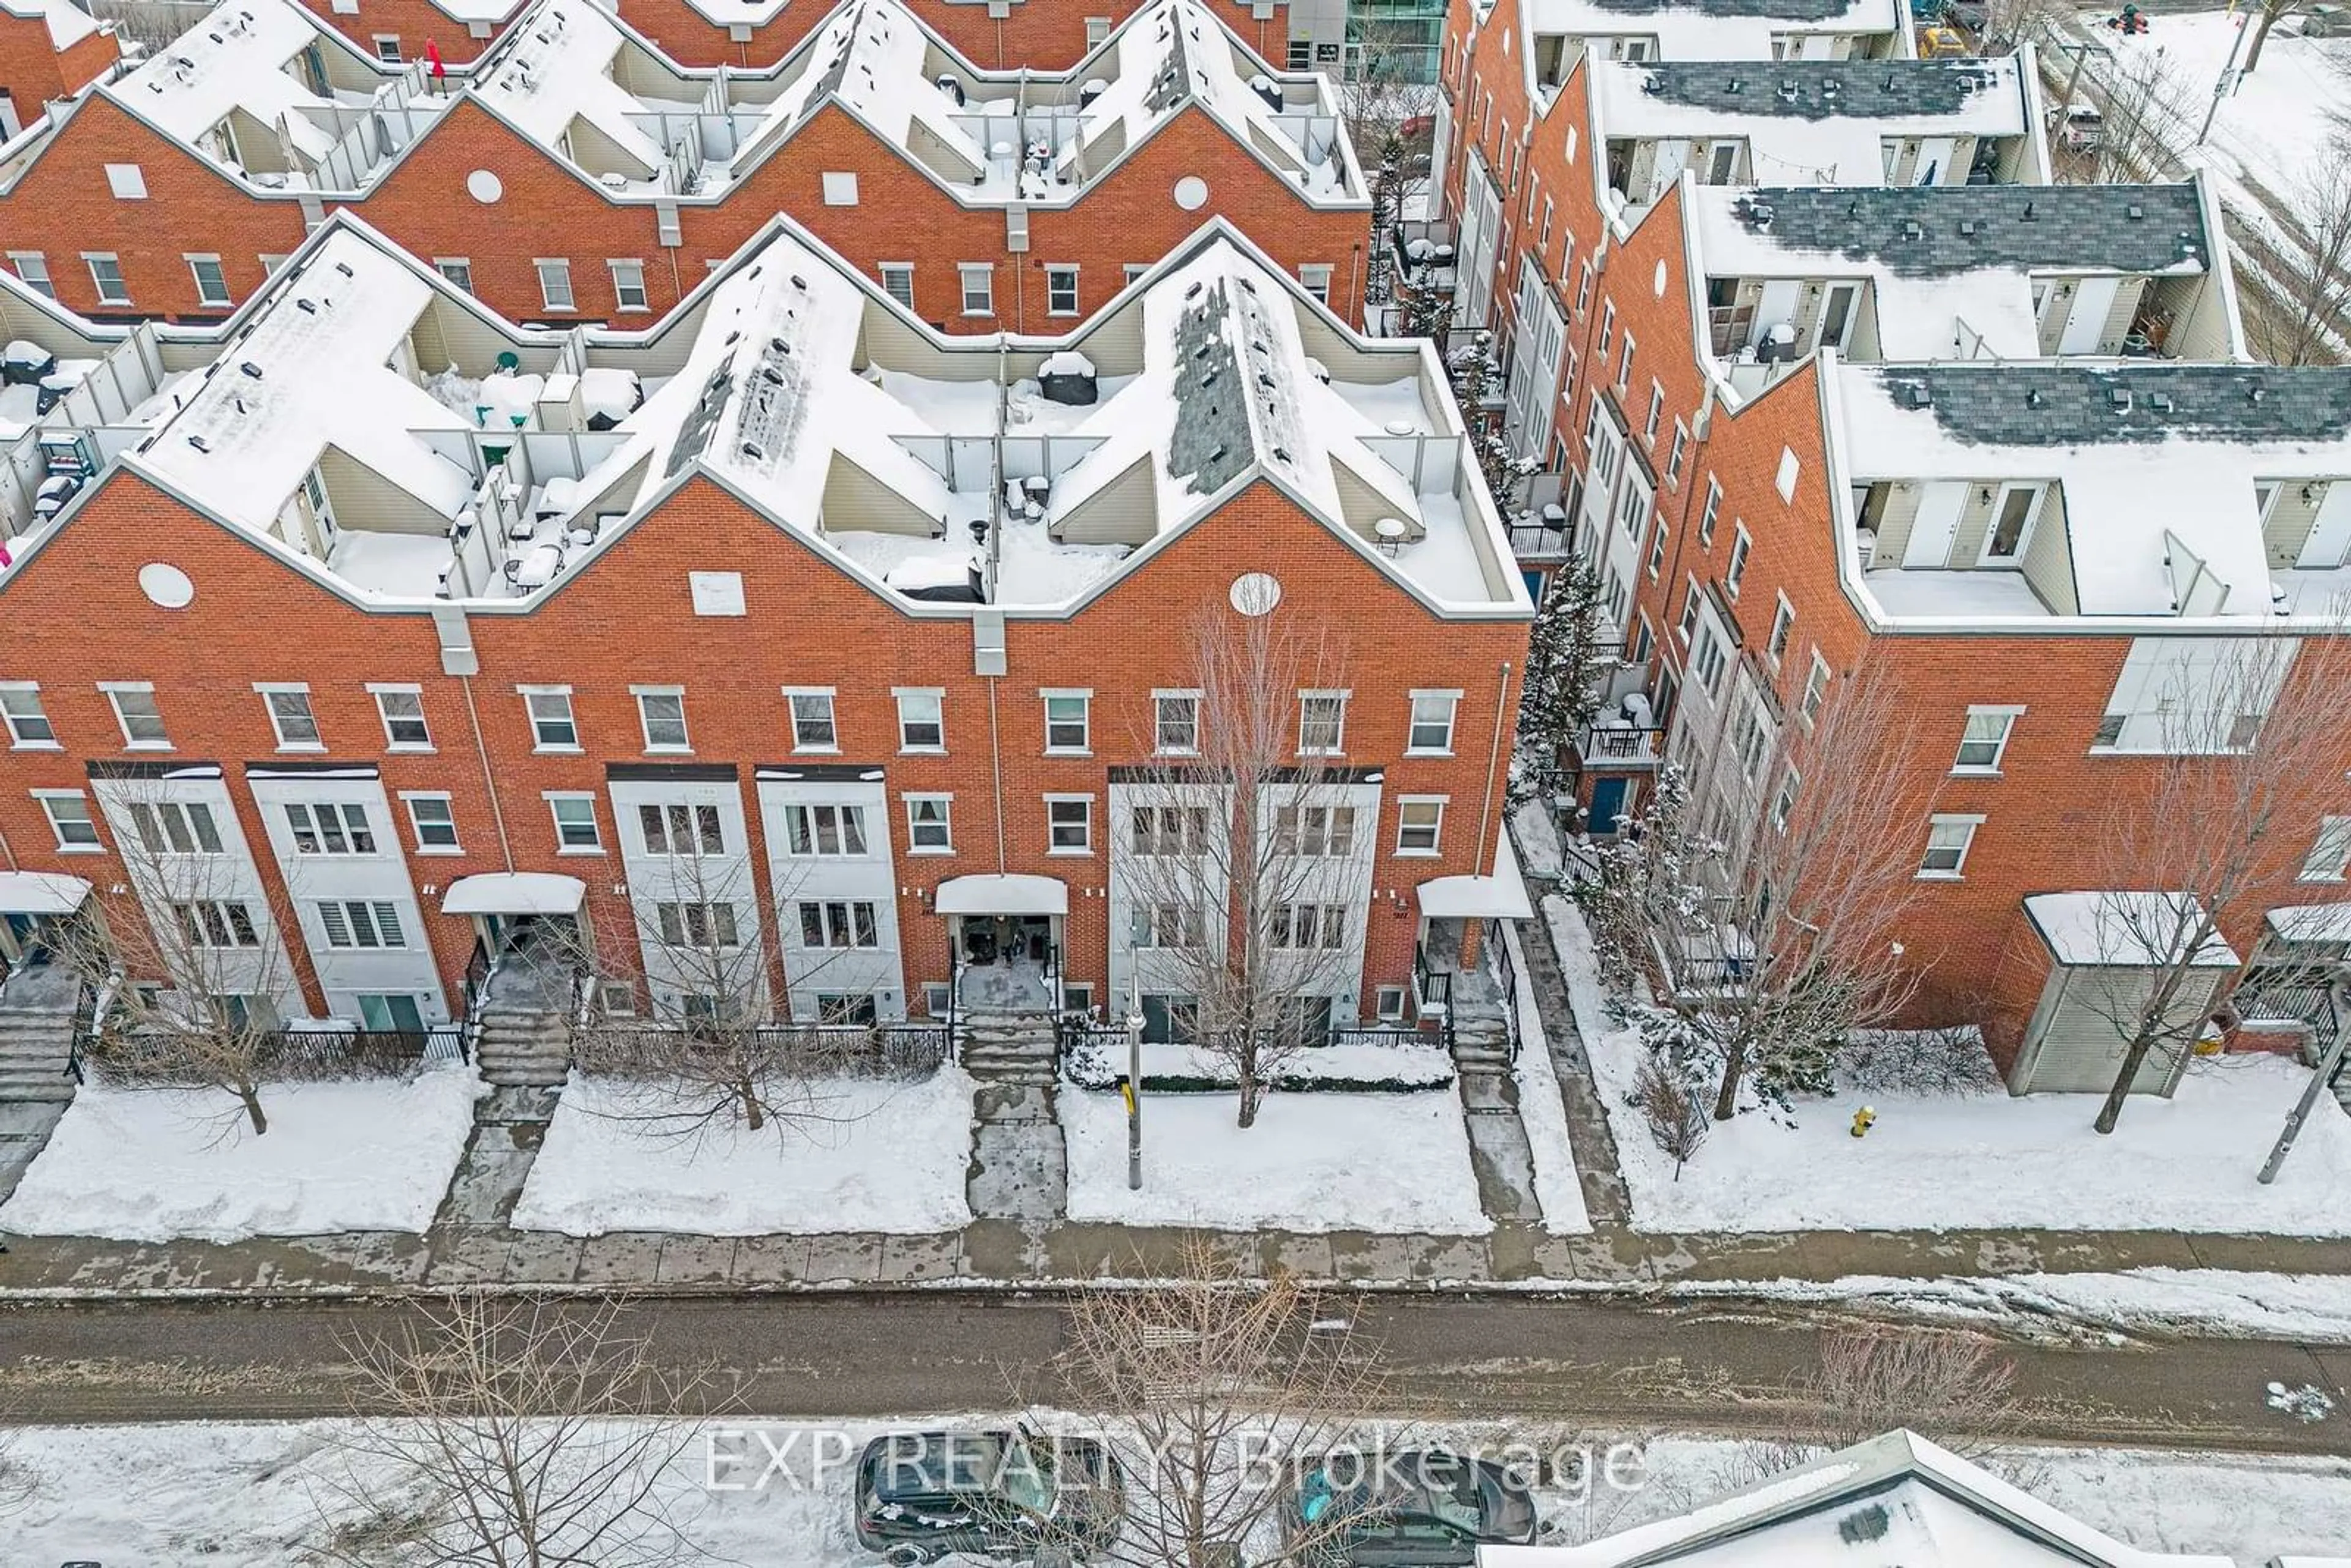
(1191, 192)
(1659, 282)
(1256, 592)
(166, 585)
(484, 186)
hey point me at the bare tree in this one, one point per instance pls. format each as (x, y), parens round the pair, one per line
(500, 1433)
(1949, 1386)
(1218, 1394)
(2148, 113)
(1234, 857)
(2242, 753)
(1674, 1112)
(1388, 96)
(2309, 267)
(193, 990)
(1766, 893)
(2268, 14)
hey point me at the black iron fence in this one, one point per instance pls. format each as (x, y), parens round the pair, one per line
(1505, 971)
(164, 1057)
(870, 1050)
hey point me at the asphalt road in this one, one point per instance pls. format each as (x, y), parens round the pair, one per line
(1610, 1367)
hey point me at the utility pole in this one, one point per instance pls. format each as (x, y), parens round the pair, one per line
(2222, 88)
(2338, 994)
(1133, 1092)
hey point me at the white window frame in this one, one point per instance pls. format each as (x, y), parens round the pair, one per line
(812, 695)
(1062, 277)
(1448, 703)
(1084, 697)
(558, 799)
(1960, 765)
(270, 691)
(456, 271)
(684, 746)
(846, 818)
(27, 697)
(1783, 631)
(51, 800)
(1711, 514)
(349, 917)
(935, 697)
(895, 275)
(32, 269)
(983, 273)
(554, 272)
(126, 182)
(386, 46)
(207, 296)
(1159, 700)
(1406, 830)
(1314, 276)
(1338, 747)
(531, 697)
(1734, 571)
(115, 691)
(410, 799)
(621, 288)
(1816, 689)
(2039, 492)
(946, 824)
(1052, 828)
(1942, 822)
(839, 187)
(391, 742)
(119, 291)
(2329, 859)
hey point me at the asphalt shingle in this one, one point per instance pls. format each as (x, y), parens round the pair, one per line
(1932, 231)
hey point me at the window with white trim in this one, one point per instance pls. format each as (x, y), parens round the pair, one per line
(457, 271)
(1783, 805)
(1949, 839)
(434, 821)
(1656, 412)
(334, 827)
(824, 831)
(1430, 733)
(362, 923)
(1068, 721)
(1314, 831)
(1712, 510)
(387, 48)
(176, 828)
(1740, 548)
(1984, 739)
(898, 281)
(554, 282)
(678, 828)
(552, 727)
(212, 283)
(978, 280)
(629, 284)
(1321, 723)
(1069, 824)
(1175, 723)
(1315, 276)
(290, 716)
(1687, 627)
(839, 922)
(812, 726)
(930, 825)
(1169, 925)
(576, 831)
(28, 723)
(69, 819)
(696, 923)
(106, 276)
(661, 711)
(1607, 334)
(1679, 450)
(126, 182)
(839, 187)
(33, 269)
(1169, 830)
(1322, 925)
(216, 923)
(401, 709)
(1657, 549)
(1816, 689)
(1060, 290)
(1420, 820)
(921, 718)
(2330, 853)
(1783, 626)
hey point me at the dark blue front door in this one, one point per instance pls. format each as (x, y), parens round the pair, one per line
(1607, 803)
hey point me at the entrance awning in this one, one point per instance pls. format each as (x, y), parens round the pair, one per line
(2313, 923)
(1003, 894)
(40, 893)
(1502, 896)
(513, 893)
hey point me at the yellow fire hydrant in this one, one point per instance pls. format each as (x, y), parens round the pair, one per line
(1863, 1120)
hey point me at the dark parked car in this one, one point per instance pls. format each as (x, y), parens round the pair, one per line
(1005, 1494)
(1419, 1507)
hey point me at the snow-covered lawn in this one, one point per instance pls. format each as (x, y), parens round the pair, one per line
(149, 1165)
(1541, 1110)
(866, 1155)
(1314, 1162)
(1947, 1162)
(246, 1495)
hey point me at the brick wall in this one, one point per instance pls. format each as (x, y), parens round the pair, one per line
(34, 70)
(412, 22)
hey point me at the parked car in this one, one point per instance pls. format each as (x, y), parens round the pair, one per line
(1008, 1495)
(2081, 126)
(1422, 1507)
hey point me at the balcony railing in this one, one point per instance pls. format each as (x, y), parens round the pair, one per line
(1543, 540)
(1621, 745)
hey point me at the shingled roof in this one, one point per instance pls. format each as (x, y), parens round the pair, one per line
(1928, 231)
(2063, 404)
(1770, 10)
(1824, 90)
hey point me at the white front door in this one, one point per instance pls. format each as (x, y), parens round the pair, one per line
(2330, 531)
(1935, 526)
(1778, 305)
(2086, 321)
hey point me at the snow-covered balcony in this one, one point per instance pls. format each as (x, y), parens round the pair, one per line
(1988, 273)
(1977, 493)
(1837, 122)
(261, 89)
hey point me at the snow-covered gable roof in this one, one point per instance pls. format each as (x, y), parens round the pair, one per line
(67, 23)
(869, 57)
(1711, 29)
(1897, 1499)
(239, 57)
(2145, 453)
(556, 67)
(1810, 121)
(2126, 930)
(312, 373)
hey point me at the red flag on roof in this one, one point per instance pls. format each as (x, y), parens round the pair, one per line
(433, 59)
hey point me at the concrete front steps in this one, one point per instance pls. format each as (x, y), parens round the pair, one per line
(34, 1050)
(518, 1048)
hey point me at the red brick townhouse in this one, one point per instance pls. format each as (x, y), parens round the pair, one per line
(1830, 386)
(48, 49)
(1003, 35)
(878, 630)
(579, 176)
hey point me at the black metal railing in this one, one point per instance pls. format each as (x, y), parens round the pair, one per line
(1620, 742)
(2305, 1002)
(160, 1056)
(1433, 987)
(1387, 1038)
(1506, 972)
(819, 1049)
(1537, 541)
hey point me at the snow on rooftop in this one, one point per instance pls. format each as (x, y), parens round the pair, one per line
(2125, 488)
(1807, 139)
(1711, 29)
(558, 67)
(238, 57)
(68, 23)
(245, 441)
(2123, 928)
